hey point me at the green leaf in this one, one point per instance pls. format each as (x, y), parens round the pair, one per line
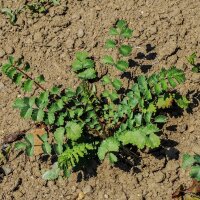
(73, 130)
(160, 119)
(19, 103)
(29, 150)
(60, 104)
(110, 44)
(81, 56)
(172, 82)
(151, 108)
(20, 145)
(61, 121)
(134, 137)
(10, 14)
(127, 33)
(164, 84)
(6, 67)
(108, 145)
(153, 141)
(88, 74)
(147, 117)
(38, 115)
(27, 85)
(88, 63)
(113, 96)
(59, 135)
(112, 158)
(122, 65)
(29, 139)
(55, 2)
(188, 161)
(182, 102)
(54, 90)
(43, 137)
(77, 65)
(51, 117)
(195, 172)
(121, 24)
(117, 84)
(17, 78)
(125, 50)
(138, 119)
(26, 112)
(40, 79)
(113, 31)
(106, 79)
(46, 147)
(26, 67)
(52, 174)
(197, 158)
(11, 72)
(58, 148)
(108, 60)
(191, 59)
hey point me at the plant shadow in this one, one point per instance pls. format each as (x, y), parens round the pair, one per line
(146, 55)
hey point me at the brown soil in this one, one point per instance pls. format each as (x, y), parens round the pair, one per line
(165, 32)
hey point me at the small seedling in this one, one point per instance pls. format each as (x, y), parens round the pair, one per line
(41, 6)
(86, 122)
(192, 162)
(192, 61)
(11, 14)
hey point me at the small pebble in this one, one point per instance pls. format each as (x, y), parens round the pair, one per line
(80, 196)
(2, 86)
(87, 189)
(6, 169)
(9, 49)
(190, 128)
(159, 177)
(80, 33)
(2, 53)
(69, 43)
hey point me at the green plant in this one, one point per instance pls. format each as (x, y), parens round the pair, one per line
(192, 60)
(192, 162)
(11, 14)
(85, 122)
(40, 6)
(27, 145)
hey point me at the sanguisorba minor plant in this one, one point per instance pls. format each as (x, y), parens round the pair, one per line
(83, 122)
(39, 6)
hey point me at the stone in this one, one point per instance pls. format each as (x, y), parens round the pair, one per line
(69, 43)
(191, 128)
(87, 189)
(2, 53)
(2, 86)
(159, 177)
(9, 49)
(80, 33)
(38, 37)
(80, 196)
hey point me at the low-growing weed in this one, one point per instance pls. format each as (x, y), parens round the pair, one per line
(84, 122)
(40, 6)
(192, 61)
(193, 163)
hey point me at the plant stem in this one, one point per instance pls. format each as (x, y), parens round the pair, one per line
(36, 83)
